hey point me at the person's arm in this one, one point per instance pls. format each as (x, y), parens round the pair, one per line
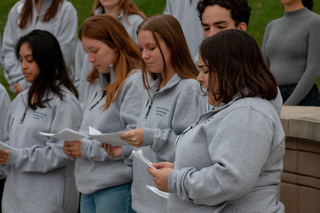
(312, 71)
(42, 159)
(4, 106)
(238, 151)
(168, 8)
(78, 63)
(67, 35)
(264, 43)
(10, 63)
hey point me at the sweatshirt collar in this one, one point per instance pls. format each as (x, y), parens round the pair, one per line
(175, 79)
(296, 12)
(100, 10)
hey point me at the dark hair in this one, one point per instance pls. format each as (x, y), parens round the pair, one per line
(235, 57)
(169, 30)
(308, 4)
(46, 52)
(239, 9)
(27, 12)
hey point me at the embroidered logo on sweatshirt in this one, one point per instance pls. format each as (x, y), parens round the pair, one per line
(160, 111)
(38, 115)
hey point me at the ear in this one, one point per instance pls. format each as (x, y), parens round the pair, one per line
(242, 26)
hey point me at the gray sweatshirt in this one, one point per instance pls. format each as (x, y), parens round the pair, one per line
(83, 66)
(185, 12)
(41, 176)
(165, 114)
(230, 160)
(4, 107)
(292, 53)
(121, 115)
(64, 26)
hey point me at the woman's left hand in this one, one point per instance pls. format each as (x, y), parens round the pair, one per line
(4, 156)
(160, 178)
(133, 137)
(73, 148)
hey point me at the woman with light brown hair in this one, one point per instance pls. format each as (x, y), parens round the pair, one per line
(170, 104)
(115, 104)
(59, 17)
(127, 13)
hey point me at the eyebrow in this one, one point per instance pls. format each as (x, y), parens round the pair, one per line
(26, 56)
(215, 23)
(201, 65)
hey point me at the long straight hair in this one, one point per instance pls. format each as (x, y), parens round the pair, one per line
(27, 12)
(169, 30)
(308, 4)
(53, 71)
(127, 6)
(235, 57)
(110, 31)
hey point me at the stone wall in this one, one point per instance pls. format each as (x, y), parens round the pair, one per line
(300, 187)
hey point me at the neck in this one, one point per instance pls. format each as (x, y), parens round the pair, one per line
(38, 4)
(293, 6)
(166, 78)
(112, 11)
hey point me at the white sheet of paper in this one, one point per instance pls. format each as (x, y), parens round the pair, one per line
(158, 192)
(109, 138)
(66, 135)
(4, 146)
(138, 154)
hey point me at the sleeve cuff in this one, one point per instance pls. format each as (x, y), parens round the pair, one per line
(172, 181)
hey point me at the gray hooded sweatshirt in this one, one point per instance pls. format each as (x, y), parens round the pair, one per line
(4, 107)
(122, 114)
(230, 160)
(41, 176)
(165, 114)
(63, 26)
(83, 67)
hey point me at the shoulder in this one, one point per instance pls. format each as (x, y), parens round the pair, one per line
(190, 84)
(67, 6)
(135, 18)
(133, 79)
(17, 8)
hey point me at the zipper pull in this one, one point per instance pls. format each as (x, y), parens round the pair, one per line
(149, 108)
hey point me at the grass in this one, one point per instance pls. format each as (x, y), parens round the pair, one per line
(263, 11)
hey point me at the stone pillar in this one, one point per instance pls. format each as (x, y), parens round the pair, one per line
(300, 184)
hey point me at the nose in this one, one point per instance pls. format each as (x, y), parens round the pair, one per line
(91, 58)
(24, 65)
(200, 77)
(212, 32)
(144, 54)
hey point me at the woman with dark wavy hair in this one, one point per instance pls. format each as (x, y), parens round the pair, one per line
(39, 175)
(230, 160)
(56, 16)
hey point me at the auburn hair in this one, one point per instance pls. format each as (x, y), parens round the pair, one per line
(27, 12)
(110, 31)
